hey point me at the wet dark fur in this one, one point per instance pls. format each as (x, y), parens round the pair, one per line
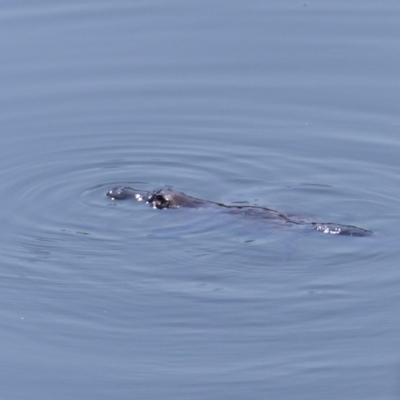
(168, 198)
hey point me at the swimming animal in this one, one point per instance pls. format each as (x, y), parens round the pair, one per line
(169, 198)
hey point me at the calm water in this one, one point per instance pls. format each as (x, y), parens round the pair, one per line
(291, 105)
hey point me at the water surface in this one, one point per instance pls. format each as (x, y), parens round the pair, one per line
(292, 106)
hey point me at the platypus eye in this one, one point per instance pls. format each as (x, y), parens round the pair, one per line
(158, 201)
(161, 201)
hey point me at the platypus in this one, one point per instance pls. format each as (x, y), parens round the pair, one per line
(169, 198)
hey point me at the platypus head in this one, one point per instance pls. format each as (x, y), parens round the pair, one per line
(163, 198)
(168, 198)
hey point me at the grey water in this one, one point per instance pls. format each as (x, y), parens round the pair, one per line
(290, 105)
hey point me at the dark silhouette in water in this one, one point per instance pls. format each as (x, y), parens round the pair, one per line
(168, 198)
